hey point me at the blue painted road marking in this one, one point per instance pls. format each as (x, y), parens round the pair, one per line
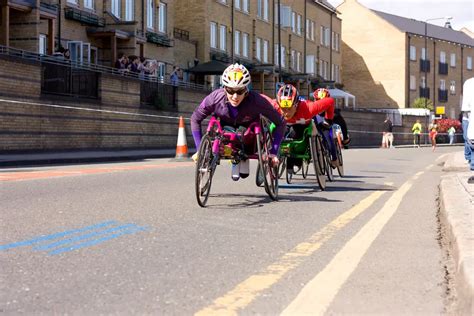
(100, 233)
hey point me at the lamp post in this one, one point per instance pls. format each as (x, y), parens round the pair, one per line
(426, 49)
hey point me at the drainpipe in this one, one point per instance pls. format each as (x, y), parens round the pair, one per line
(59, 23)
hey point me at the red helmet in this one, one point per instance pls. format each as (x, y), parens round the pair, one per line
(321, 93)
(287, 96)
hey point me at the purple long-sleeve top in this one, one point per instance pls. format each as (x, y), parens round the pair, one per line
(248, 111)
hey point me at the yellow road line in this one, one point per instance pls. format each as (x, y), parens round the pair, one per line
(246, 292)
(318, 294)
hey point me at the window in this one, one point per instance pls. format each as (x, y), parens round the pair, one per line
(162, 16)
(412, 82)
(258, 53)
(149, 14)
(310, 64)
(265, 51)
(222, 1)
(469, 63)
(298, 61)
(129, 10)
(412, 52)
(442, 57)
(115, 4)
(282, 56)
(326, 37)
(298, 24)
(321, 68)
(293, 22)
(89, 4)
(237, 42)
(245, 45)
(245, 6)
(321, 39)
(337, 42)
(262, 9)
(423, 82)
(72, 1)
(222, 37)
(423, 53)
(213, 35)
(452, 87)
(42, 49)
(293, 59)
(453, 60)
(442, 84)
(237, 4)
(333, 40)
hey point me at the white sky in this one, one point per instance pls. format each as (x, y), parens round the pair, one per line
(462, 11)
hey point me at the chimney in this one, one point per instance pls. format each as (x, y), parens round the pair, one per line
(448, 25)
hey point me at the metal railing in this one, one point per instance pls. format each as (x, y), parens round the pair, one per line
(46, 59)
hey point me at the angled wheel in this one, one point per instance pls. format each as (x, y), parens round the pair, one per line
(204, 171)
(281, 166)
(327, 156)
(340, 167)
(304, 168)
(318, 160)
(259, 176)
(270, 173)
(289, 176)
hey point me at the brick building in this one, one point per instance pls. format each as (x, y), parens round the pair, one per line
(96, 31)
(248, 32)
(386, 64)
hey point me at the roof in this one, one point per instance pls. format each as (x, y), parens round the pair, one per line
(418, 27)
(213, 67)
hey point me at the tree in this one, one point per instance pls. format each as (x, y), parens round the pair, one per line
(419, 103)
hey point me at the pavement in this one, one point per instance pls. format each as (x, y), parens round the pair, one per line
(456, 205)
(457, 217)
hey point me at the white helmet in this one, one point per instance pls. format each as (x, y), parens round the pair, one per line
(236, 76)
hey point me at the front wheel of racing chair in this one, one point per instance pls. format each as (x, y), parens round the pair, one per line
(269, 172)
(205, 167)
(340, 167)
(318, 160)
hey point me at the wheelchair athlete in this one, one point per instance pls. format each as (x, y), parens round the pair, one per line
(238, 107)
(324, 126)
(298, 114)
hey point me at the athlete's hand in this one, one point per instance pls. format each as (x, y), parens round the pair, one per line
(195, 157)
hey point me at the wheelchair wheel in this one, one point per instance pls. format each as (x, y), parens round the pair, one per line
(289, 176)
(204, 171)
(304, 168)
(281, 166)
(340, 168)
(318, 160)
(259, 180)
(327, 158)
(270, 174)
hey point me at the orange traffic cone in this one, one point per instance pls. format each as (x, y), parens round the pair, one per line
(181, 146)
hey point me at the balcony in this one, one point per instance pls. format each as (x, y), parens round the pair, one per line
(21, 5)
(159, 39)
(424, 65)
(83, 17)
(442, 68)
(442, 95)
(424, 92)
(220, 56)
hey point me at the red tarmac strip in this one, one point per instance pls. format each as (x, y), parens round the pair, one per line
(33, 175)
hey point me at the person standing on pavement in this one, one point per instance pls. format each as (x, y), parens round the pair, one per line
(468, 128)
(451, 132)
(416, 129)
(387, 135)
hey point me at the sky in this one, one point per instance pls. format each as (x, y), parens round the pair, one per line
(461, 11)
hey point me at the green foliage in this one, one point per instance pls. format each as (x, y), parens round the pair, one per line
(419, 103)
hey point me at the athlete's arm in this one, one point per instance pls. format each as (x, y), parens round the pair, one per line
(323, 105)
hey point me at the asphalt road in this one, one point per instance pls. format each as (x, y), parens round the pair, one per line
(129, 238)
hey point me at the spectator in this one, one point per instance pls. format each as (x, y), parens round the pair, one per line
(468, 125)
(141, 68)
(416, 129)
(59, 53)
(67, 54)
(133, 65)
(174, 76)
(433, 133)
(451, 132)
(387, 135)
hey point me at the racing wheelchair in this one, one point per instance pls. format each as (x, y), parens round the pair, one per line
(331, 134)
(223, 143)
(309, 148)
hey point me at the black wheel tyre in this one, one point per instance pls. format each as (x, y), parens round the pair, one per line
(281, 166)
(316, 155)
(259, 180)
(340, 168)
(329, 171)
(204, 171)
(270, 173)
(289, 176)
(304, 168)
